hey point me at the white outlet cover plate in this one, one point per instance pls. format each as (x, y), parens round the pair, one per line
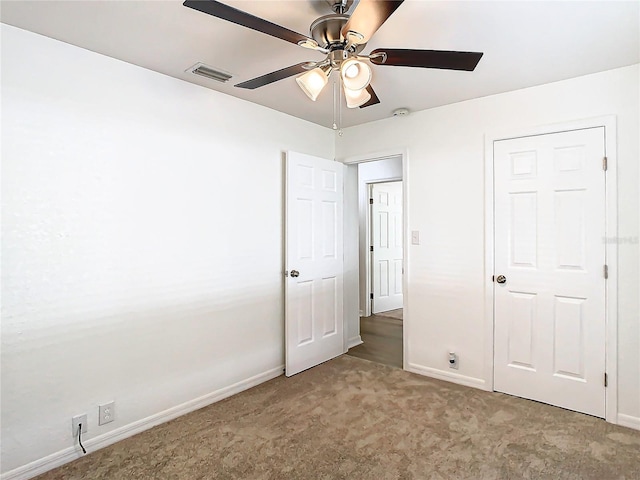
(106, 413)
(75, 421)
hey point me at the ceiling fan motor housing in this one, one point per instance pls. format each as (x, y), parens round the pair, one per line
(327, 31)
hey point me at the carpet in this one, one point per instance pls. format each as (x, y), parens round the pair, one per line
(353, 419)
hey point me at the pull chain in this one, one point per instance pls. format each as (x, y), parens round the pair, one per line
(339, 111)
(337, 107)
(335, 121)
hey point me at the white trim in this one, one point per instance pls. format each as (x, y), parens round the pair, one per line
(488, 260)
(406, 254)
(354, 342)
(72, 453)
(447, 376)
(374, 156)
(611, 249)
(629, 421)
(611, 257)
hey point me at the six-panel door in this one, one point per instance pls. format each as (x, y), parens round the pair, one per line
(549, 231)
(386, 240)
(314, 245)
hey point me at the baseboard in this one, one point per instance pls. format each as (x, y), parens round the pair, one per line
(72, 453)
(354, 341)
(447, 376)
(629, 421)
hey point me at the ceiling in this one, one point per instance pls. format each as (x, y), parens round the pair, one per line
(524, 44)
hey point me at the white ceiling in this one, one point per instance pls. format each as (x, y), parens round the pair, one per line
(524, 44)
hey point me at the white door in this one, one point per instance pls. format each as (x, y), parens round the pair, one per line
(386, 241)
(549, 231)
(314, 263)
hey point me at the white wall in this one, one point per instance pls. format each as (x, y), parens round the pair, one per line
(142, 222)
(446, 204)
(351, 251)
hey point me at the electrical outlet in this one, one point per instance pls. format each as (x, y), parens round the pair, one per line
(75, 423)
(106, 413)
(453, 360)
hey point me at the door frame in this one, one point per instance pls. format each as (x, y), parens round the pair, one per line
(372, 157)
(611, 248)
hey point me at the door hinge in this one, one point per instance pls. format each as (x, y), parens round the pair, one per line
(371, 201)
(605, 163)
(371, 296)
(371, 248)
(606, 272)
(606, 380)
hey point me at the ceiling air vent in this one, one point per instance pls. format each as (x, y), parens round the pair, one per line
(209, 72)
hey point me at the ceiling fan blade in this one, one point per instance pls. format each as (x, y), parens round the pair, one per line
(426, 58)
(239, 17)
(274, 76)
(367, 18)
(373, 100)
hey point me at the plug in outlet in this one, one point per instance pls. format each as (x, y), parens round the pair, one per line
(453, 360)
(75, 424)
(106, 413)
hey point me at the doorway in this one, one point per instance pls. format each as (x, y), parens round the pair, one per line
(380, 278)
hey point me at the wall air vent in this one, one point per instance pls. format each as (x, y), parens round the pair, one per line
(209, 72)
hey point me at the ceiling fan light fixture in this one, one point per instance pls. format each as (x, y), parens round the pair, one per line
(312, 82)
(356, 74)
(356, 98)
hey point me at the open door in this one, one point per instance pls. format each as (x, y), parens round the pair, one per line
(386, 246)
(314, 262)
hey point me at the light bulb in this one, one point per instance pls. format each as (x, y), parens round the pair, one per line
(313, 82)
(352, 70)
(356, 98)
(356, 74)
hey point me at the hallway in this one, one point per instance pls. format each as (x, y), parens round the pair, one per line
(382, 337)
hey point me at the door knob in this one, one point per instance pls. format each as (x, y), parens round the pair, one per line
(501, 279)
(295, 273)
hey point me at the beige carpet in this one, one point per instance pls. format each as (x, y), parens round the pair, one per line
(353, 419)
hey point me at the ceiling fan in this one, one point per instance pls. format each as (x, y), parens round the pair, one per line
(342, 38)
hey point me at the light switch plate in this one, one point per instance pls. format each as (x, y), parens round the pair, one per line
(415, 237)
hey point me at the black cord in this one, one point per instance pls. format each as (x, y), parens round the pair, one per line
(80, 438)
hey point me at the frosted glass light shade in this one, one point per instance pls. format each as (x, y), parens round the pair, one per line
(356, 75)
(313, 82)
(356, 98)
